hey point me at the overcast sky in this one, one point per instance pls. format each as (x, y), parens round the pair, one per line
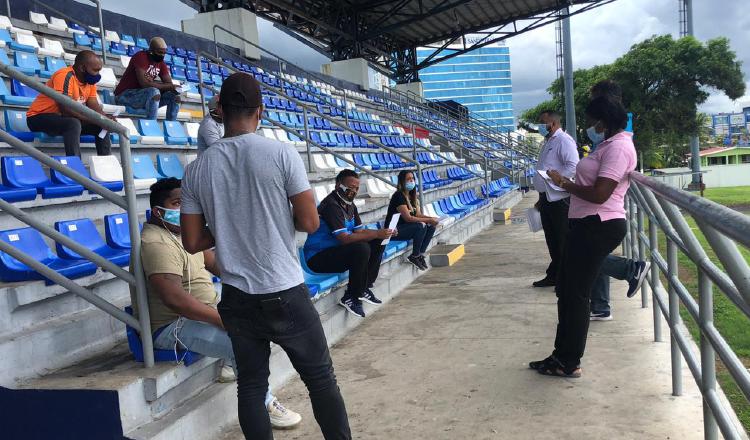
(598, 37)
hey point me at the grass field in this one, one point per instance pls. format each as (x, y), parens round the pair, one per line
(731, 323)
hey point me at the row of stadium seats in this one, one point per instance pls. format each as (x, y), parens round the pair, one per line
(116, 248)
(24, 177)
(498, 187)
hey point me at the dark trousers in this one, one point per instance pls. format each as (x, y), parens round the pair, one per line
(420, 233)
(361, 259)
(619, 268)
(70, 129)
(290, 320)
(589, 241)
(554, 217)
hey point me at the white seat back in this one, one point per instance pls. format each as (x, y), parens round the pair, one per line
(105, 168)
(320, 193)
(124, 60)
(53, 46)
(320, 162)
(109, 79)
(57, 23)
(27, 40)
(112, 36)
(192, 129)
(128, 123)
(268, 133)
(190, 157)
(37, 18)
(281, 135)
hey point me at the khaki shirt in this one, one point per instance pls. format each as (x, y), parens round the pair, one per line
(162, 252)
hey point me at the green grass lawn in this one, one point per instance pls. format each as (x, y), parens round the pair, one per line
(733, 325)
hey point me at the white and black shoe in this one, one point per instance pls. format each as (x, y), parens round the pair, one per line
(635, 283)
(369, 297)
(415, 260)
(353, 306)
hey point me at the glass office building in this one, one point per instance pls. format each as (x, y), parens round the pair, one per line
(479, 80)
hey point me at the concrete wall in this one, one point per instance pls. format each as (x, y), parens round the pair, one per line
(416, 87)
(240, 21)
(714, 176)
(355, 70)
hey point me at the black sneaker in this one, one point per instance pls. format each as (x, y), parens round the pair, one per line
(600, 316)
(424, 262)
(370, 297)
(545, 282)
(353, 306)
(640, 274)
(414, 259)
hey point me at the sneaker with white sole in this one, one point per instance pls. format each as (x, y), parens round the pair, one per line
(600, 316)
(634, 284)
(369, 297)
(353, 306)
(281, 417)
(227, 375)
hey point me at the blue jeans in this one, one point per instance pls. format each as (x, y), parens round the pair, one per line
(616, 267)
(144, 99)
(202, 338)
(419, 232)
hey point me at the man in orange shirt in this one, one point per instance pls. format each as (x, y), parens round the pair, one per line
(78, 82)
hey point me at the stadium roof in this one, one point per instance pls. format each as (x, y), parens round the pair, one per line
(387, 32)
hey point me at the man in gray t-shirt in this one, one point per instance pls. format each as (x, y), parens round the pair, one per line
(246, 195)
(212, 126)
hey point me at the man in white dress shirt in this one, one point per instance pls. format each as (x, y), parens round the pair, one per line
(559, 152)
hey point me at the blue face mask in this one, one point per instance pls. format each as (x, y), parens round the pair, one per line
(171, 216)
(91, 79)
(596, 138)
(410, 185)
(543, 130)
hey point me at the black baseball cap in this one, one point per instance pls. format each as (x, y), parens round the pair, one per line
(240, 90)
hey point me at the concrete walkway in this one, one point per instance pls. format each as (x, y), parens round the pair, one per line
(447, 359)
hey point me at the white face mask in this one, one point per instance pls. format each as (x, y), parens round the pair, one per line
(342, 195)
(596, 138)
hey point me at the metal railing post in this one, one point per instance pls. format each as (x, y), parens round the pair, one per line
(101, 30)
(346, 109)
(7, 8)
(201, 85)
(135, 253)
(653, 241)
(307, 139)
(708, 355)
(674, 317)
(642, 255)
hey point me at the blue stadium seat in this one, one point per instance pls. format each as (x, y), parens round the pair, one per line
(179, 61)
(142, 43)
(143, 167)
(217, 79)
(125, 38)
(180, 52)
(75, 163)
(174, 133)
(132, 50)
(81, 40)
(8, 98)
(149, 127)
(27, 63)
(51, 65)
(323, 282)
(15, 124)
(21, 47)
(20, 89)
(117, 48)
(136, 348)
(191, 74)
(26, 172)
(96, 44)
(5, 37)
(83, 231)
(178, 73)
(191, 55)
(170, 50)
(31, 242)
(169, 165)
(117, 230)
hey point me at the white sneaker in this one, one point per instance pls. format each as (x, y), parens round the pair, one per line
(282, 418)
(226, 374)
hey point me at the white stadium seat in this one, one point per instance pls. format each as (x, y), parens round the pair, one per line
(57, 24)
(55, 48)
(6, 24)
(128, 123)
(192, 129)
(39, 19)
(112, 36)
(190, 157)
(109, 80)
(124, 60)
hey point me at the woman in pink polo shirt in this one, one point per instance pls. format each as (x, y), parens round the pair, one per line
(597, 226)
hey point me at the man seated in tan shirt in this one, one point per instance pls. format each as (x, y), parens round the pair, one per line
(181, 295)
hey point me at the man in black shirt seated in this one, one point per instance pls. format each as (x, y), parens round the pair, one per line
(342, 243)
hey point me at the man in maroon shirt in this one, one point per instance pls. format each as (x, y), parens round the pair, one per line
(139, 90)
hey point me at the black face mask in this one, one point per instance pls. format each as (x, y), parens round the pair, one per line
(156, 57)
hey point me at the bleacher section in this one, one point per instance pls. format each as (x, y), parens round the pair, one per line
(44, 328)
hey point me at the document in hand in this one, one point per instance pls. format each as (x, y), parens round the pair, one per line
(392, 225)
(554, 192)
(534, 219)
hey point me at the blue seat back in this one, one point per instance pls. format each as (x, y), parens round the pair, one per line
(174, 129)
(127, 38)
(53, 64)
(117, 230)
(15, 120)
(142, 43)
(20, 89)
(117, 47)
(82, 231)
(26, 60)
(28, 240)
(149, 127)
(169, 165)
(143, 167)
(132, 50)
(72, 162)
(23, 171)
(82, 40)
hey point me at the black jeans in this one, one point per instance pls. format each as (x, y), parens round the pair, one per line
(589, 241)
(289, 319)
(70, 129)
(554, 217)
(361, 259)
(419, 232)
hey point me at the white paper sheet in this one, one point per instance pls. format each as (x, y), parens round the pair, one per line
(392, 225)
(534, 219)
(554, 192)
(103, 133)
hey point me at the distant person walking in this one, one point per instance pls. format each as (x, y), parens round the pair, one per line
(597, 226)
(246, 195)
(559, 152)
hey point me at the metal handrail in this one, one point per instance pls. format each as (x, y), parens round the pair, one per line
(80, 23)
(723, 228)
(137, 279)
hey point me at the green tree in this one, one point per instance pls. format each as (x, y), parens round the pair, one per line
(664, 81)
